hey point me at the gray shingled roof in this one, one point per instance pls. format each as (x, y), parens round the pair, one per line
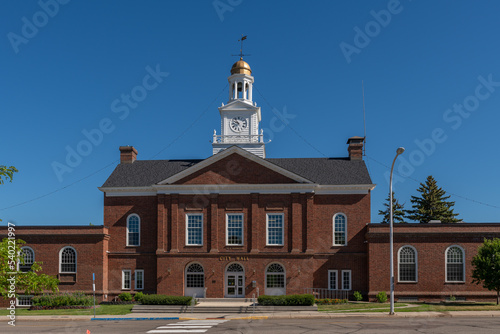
(326, 171)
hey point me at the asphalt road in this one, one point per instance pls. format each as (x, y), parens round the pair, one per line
(476, 325)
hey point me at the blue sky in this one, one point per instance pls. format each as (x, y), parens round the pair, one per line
(431, 74)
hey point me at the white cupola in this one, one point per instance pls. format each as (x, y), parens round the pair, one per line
(240, 117)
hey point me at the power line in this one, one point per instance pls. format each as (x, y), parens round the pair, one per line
(450, 193)
(115, 161)
(288, 125)
(57, 190)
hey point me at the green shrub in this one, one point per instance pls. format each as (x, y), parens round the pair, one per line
(381, 297)
(138, 296)
(358, 296)
(286, 300)
(63, 299)
(125, 296)
(165, 300)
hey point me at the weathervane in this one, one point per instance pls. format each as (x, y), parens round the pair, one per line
(241, 49)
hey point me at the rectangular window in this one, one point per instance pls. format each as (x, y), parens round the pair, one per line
(275, 229)
(332, 279)
(339, 230)
(234, 229)
(275, 281)
(139, 279)
(194, 229)
(346, 280)
(126, 279)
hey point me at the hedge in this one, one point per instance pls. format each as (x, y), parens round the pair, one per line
(286, 300)
(165, 300)
(63, 299)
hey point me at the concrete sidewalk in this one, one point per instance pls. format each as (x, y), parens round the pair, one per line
(257, 316)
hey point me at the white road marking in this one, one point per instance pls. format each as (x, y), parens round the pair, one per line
(177, 331)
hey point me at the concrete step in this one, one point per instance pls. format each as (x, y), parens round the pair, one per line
(225, 300)
(218, 309)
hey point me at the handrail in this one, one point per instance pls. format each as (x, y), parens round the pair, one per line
(321, 293)
(193, 302)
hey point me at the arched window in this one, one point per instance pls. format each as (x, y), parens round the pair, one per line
(67, 260)
(407, 260)
(28, 255)
(235, 268)
(195, 280)
(339, 230)
(195, 276)
(133, 230)
(455, 264)
(275, 279)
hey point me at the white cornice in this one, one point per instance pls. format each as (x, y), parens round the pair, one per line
(233, 189)
(234, 149)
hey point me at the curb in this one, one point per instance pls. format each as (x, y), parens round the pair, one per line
(135, 319)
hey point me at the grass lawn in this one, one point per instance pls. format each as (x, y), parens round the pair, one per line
(101, 310)
(408, 307)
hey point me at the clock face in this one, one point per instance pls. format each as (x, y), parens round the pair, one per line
(238, 124)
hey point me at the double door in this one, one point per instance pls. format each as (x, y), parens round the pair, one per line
(235, 285)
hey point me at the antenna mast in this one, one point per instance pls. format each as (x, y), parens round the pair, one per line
(364, 117)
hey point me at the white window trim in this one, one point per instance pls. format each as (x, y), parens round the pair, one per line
(350, 280)
(242, 228)
(416, 264)
(202, 223)
(333, 225)
(135, 279)
(336, 279)
(446, 264)
(123, 279)
(128, 218)
(19, 262)
(283, 274)
(282, 229)
(60, 261)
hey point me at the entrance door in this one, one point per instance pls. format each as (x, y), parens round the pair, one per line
(235, 281)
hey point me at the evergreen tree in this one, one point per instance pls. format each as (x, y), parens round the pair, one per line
(432, 204)
(398, 211)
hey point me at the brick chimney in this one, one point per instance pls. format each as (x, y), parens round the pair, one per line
(128, 154)
(355, 148)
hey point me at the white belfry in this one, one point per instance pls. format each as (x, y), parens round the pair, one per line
(240, 117)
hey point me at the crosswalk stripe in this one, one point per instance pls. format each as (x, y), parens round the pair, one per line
(177, 331)
(185, 326)
(188, 326)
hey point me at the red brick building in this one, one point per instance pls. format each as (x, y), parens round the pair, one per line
(239, 223)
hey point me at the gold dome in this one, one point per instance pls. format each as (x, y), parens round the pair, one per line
(241, 67)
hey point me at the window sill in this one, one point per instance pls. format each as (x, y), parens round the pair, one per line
(275, 245)
(454, 282)
(407, 282)
(131, 246)
(194, 245)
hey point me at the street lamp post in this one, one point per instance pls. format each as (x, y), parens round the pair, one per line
(399, 151)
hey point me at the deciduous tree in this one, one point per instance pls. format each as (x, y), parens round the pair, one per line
(486, 265)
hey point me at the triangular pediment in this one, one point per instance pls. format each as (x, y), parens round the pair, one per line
(235, 166)
(238, 105)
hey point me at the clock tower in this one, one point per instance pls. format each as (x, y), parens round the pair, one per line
(240, 117)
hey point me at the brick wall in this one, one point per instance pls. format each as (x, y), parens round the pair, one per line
(431, 242)
(90, 243)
